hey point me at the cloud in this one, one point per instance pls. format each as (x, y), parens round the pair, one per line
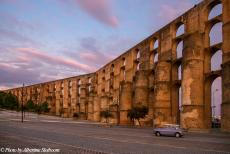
(34, 53)
(99, 9)
(90, 52)
(7, 35)
(12, 75)
(30, 66)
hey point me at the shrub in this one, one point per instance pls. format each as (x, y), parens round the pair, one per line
(76, 115)
(137, 113)
(45, 107)
(8, 101)
(106, 114)
(30, 106)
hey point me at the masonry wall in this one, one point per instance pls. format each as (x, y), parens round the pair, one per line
(147, 74)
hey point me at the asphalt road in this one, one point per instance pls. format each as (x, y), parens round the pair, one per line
(71, 136)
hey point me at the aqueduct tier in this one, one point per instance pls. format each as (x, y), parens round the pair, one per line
(170, 72)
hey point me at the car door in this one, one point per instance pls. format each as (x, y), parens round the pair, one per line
(165, 131)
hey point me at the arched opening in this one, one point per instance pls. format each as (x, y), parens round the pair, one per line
(138, 66)
(156, 58)
(90, 82)
(79, 86)
(138, 54)
(79, 82)
(156, 44)
(215, 11)
(216, 100)
(216, 61)
(215, 34)
(179, 50)
(180, 30)
(151, 59)
(179, 73)
(180, 99)
(112, 68)
(124, 75)
(124, 62)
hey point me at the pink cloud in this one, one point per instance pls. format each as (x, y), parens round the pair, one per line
(100, 9)
(34, 53)
(88, 56)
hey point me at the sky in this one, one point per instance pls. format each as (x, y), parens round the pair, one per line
(44, 40)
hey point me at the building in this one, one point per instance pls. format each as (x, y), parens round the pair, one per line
(151, 74)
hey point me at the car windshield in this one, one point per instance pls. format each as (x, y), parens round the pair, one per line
(171, 126)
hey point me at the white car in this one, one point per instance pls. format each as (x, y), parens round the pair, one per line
(169, 130)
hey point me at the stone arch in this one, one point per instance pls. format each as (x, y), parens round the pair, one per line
(154, 49)
(180, 98)
(156, 44)
(79, 86)
(138, 54)
(90, 84)
(179, 49)
(215, 11)
(216, 95)
(213, 41)
(138, 66)
(215, 34)
(211, 7)
(124, 75)
(211, 18)
(216, 61)
(112, 68)
(209, 91)
(156, 58)
(179, 72)
(124, 61)
(180, 29)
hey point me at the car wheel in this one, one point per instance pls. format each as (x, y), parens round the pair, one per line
(177, 135)
(158, 134)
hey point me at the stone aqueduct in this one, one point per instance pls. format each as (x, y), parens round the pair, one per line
(147, 74)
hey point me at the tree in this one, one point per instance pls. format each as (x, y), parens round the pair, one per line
(30, 106)
(8, 101)
(39, 108)
(137, 113)
(106, 114)
(45, 107)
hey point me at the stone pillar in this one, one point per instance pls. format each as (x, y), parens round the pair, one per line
(90, 108)
(96, 109)
(125, 102)
(83, 102)
(142, 93)
(141, 88)
(192, 115)
(225, 108)
(65, 99)
(104, 105)
(162, 104)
